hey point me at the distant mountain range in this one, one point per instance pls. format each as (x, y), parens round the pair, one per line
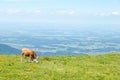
(53, 41)
(5, 49)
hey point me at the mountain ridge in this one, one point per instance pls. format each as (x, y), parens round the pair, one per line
(6, 49)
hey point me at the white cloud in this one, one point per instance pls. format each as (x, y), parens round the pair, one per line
(61, 12)
(115, 13)
(13, 11)
(37, 12)
(102, 14)
(72, 12)
(65, 12)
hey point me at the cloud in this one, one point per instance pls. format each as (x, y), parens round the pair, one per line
(37, 12)
(115, 13)
(72, 12)
(13, 11)
(102, 14)
(61, 12)
(65, 12)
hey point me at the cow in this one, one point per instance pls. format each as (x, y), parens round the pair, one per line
(29, 53)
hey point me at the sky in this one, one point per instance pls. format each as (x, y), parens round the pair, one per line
(70, 12)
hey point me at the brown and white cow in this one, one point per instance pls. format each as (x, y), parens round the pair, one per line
(29, 53)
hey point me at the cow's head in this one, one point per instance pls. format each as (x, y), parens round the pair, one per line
(36, 60)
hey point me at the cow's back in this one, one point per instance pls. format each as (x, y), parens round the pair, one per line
(29, 52)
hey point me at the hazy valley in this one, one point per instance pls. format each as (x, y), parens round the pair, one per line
(62, 41)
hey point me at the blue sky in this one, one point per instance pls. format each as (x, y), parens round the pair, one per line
(60, 11)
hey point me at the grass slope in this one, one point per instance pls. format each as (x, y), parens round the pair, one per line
(84, 67)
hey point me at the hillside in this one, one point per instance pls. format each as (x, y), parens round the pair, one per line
(8, 50)
(84, 67)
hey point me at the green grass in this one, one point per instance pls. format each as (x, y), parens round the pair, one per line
(84, 67)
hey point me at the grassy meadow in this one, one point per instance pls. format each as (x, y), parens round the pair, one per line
(83, 67)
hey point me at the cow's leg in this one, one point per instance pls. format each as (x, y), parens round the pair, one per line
(22, 57)
(27, 59)
(30, 58)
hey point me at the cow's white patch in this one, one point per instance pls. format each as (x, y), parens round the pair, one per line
(35, 60)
